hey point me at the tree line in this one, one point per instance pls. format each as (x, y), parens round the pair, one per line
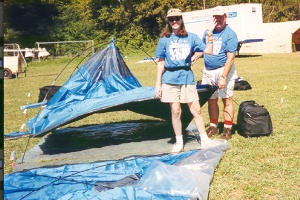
(136, 22)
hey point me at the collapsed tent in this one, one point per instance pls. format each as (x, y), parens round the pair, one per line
(102, 84)
(182, 176)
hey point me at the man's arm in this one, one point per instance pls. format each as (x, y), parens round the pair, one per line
(209, 34)
(209, 43)
(209, 47)
(228, 64)
(196, 56)
(227, 68)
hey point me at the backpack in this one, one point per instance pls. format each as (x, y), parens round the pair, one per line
(253, 120)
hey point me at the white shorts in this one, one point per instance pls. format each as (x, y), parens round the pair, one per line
(211, 77)
(179, 93)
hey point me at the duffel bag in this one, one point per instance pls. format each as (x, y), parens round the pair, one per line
(253, 120)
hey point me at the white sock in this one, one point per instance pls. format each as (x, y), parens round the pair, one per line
(204, 136)
(214, 125)
(179, 139)
(227, 126)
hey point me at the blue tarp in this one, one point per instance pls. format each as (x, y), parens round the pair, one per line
(182, 176)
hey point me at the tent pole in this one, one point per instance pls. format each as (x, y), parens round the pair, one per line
(25, 148)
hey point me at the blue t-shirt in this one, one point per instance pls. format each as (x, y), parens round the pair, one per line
(224, 41)
(177, 52)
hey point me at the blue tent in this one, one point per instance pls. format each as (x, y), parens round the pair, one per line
(103, 83)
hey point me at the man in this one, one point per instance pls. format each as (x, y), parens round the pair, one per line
(220, 70)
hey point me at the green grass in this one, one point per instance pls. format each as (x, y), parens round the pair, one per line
(252, 168)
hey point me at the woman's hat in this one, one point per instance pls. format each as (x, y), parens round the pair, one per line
(174, 12)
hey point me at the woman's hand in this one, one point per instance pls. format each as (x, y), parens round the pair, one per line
(158, 91)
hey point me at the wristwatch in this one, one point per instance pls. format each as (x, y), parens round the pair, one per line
(223, 77)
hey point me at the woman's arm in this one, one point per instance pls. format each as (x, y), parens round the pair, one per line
(160, 71)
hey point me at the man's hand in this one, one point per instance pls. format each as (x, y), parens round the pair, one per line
(211, 24)
(222, 83)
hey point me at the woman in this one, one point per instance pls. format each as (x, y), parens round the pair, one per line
(177, 51)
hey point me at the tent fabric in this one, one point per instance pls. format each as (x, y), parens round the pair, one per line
(182, 176)
(78, 180)
(103, 83)
(189, 177)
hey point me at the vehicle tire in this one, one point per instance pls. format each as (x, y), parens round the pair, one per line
(7, 73)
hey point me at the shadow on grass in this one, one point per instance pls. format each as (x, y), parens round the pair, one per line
(74, 139)
(247, 56)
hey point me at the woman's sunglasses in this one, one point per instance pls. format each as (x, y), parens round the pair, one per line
(172, 19)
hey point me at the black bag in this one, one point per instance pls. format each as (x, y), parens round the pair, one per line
(48, 92)
(242, 85)
(253, 120)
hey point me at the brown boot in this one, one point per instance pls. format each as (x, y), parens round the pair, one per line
(212, 131)
(226, 135)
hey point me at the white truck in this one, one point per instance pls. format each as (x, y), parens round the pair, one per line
(245, 19)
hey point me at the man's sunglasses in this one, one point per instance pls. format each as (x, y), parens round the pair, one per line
(172, 19)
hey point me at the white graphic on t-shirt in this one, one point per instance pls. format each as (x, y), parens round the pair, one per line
(179, 50)
(217, 46)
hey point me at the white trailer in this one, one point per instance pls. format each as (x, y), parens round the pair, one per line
(13, 60)
(245, 19)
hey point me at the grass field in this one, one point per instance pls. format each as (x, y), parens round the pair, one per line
(252, 168)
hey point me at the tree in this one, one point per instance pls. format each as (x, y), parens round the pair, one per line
(136, 22)
(31, 21)
(281, 11)
(75, 21)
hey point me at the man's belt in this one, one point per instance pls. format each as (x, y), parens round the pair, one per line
(177, 68)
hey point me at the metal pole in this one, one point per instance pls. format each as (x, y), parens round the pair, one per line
(93, 49)
(25, 148)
